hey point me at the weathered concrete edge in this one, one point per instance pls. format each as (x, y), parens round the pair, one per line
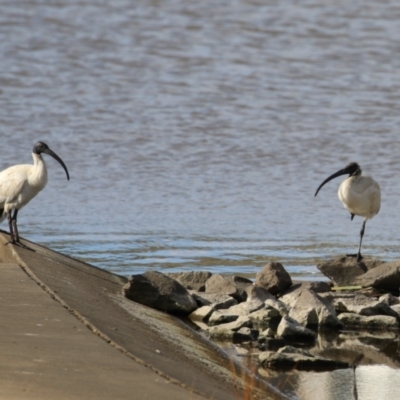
(82, 319)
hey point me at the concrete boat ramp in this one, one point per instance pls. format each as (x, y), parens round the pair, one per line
(66, 332)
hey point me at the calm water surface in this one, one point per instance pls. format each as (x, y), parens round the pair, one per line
(196, 133)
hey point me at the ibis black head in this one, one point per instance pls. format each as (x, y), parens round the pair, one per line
(41, 147)
(353, 169)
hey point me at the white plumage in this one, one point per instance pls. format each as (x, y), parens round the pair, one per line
(360, 195)
(21, 183)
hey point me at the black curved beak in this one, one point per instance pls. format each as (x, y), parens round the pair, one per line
(55, 156)
(343, 171)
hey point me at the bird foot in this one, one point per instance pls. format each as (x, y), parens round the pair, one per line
(358, 256)
(19, 244)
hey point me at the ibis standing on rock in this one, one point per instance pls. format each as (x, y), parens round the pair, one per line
(360, 195)
(19, 184)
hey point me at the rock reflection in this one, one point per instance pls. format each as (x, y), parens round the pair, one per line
(377, 372)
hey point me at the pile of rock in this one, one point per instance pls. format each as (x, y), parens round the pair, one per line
(273, 312)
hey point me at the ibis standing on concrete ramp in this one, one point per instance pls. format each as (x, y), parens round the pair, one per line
(360, 195)
(21, 183)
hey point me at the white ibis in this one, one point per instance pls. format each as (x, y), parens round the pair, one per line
(360, 195)
(19, 184)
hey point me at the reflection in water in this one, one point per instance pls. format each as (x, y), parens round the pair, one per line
(374, 382)
(376, 356)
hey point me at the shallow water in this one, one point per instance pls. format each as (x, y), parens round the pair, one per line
(374, 382)
(375, 354)
(196, 133)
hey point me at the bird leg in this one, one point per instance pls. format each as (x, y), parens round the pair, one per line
(358, 255)
(10, 224)
(15, 229)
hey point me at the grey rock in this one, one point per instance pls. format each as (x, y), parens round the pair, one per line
(226, 331)
(217, 300)
(317, 287)
(267, 333)
(269, 343)
(312, 310)
(265, 318)
(396, 309)
(202, 313)
(245, 334)
(159, 291)
(389, 299)
(375, 308)
(265, 314)
(258, 293)
(222, 317)
(274, 278)
(294, 350)
(385, 276)
(344, 270)
(289, 361)
(343, 300)
(351, 320)
(278, 305)
(290, 297)
(219, 284)
(246, 307)
(195, 280)
(291, 330)
(241, 285)
(363, 305)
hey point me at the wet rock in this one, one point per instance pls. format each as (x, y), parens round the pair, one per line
(289, 361)
(218, 301)
(265, 314)
(201, 313)
(222, 317)
(245, 334)
(265, 317)
(268, 343)
(385, 276)
(388, 298)
(291, 330)
(226, 331)
(195, 280)
(294, 350)
(351, 320)
(159, 291)
(267, 333)
(274, 278)
(219, 284)
(312, 310)
(344, 270)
